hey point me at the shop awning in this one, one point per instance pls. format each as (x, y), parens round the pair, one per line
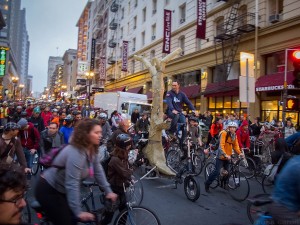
(117, 89)
(227, 88)
(191, 91)
(136, 90)
(274, 82)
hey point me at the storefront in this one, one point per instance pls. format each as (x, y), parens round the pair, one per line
(270, 91)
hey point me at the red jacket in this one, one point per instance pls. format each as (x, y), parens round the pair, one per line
(29, 112)
(243, 136)
(215, 129)
(46, 117)
(30, 138)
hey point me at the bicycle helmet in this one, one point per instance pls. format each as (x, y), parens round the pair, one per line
(69, 118)
(232, 124)
(24, 114)
(102, 116)
(123, 141)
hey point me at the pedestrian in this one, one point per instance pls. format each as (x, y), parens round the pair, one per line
(58, 190)
(135, 116)
(289, 129)
(142, 126)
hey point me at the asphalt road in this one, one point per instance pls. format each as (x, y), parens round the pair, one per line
(172, 206)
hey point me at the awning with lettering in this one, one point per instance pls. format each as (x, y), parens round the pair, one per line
(274, 82)
(117, 89)
(136, 90)
(191, 91)
(224, 88)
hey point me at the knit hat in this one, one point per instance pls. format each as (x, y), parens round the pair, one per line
(11, 126)
(37, 110)
(22, 123)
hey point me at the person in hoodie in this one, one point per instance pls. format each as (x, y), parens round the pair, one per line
(37, 120)
(30, 138)
(243, 135)
(29, 109)
(46, 115)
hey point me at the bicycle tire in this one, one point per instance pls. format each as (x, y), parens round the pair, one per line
(35, 164)
(173, 160)
(26, 213)
(135, 193)
(266, 184)
(191, 188)
(248, 170)
(253, 212)
(197, 164)
(209, 168)
(137, 215)
(238, 186)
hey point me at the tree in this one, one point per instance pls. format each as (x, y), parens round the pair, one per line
(154, 150)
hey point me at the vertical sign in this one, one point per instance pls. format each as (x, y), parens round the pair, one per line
(201, 19)
(3, 59)
(102, 68)
(124, 56)
(93, 52)
(167, 31)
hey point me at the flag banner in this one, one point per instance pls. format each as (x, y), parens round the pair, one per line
(125, 56)
(102, 68)
(93, 53)
(201, 19)
(167, 31)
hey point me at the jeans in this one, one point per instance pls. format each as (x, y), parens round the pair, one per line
(219, 164)
(176, 118)
(28, 157)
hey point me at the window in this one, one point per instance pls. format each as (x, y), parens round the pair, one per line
(275, 63)
(144, 14)
(275, 7)
(134, 22)
(181, 41)
(182, 10)
(153, 32)
(154, 6)
(242, 15)
(143, 38)
(198, 43)
(219, 23)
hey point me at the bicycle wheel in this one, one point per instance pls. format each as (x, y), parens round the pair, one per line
(35, 164)
(191, 188)
(173, 160)
(267, 184)
(137, 216)
(238, 186)
(248, 167)
(254, 212)
(197, 164)
(26, 214)
(135, 193)
(209, 168)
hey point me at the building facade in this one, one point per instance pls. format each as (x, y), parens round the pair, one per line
(69, 59)
(208, 69)
(52, 62)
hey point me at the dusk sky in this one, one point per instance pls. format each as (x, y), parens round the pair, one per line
(50, 24)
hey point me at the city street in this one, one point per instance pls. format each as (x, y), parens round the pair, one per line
(172, 206)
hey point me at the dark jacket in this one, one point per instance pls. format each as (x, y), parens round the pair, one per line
(37, 122)
(176, 101)
(255, 129)
(134, 117)
(142, 125)
(47, 141)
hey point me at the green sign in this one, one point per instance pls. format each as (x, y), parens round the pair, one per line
(3, 58)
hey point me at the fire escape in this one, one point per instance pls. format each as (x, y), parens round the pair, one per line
(229, 35)
(113, 26)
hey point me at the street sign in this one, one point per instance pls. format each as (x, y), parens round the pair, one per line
(3, 60)
(97, 89)
(243, 89)
(81, 82)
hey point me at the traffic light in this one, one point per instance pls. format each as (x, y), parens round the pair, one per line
(296, 64)
(292, 104)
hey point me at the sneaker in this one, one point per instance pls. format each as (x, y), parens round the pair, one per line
(206, 187)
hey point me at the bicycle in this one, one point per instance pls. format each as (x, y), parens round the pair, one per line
(257, 209)
(36, 164)
(132, 215)
(247, 165)
(234, 182)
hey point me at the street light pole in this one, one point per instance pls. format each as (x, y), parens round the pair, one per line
(21, 86)
(15, 81)
(89, 76)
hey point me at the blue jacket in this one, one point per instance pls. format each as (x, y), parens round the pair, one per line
(176, 101)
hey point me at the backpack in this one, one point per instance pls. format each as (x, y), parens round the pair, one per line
(47, 159)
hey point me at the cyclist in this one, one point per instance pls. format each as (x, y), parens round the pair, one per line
(106, 129)
(37, 120)
(228, 142)
(215, 129)
(67, 129)
(285, 208)
(119, 172)
(51, 138)
(175, 100)
(58, 189)
(243, 135)
(12, 188)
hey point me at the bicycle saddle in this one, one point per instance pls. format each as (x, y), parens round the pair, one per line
(88, 183)
(260, 202)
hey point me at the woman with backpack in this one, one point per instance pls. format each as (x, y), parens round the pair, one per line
(58, 189)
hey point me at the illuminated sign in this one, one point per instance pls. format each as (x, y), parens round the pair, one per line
(3, 59)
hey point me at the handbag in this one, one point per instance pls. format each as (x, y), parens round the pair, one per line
(271, 170)
(7, 152)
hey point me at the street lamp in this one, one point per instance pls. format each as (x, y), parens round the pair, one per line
(89, 77)
(21, 86)
(15, 81)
